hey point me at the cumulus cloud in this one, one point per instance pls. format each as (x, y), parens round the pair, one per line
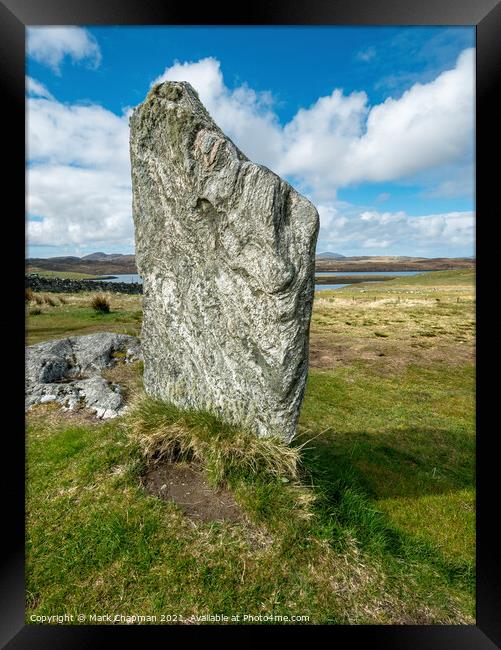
(49, 45)
(37, 89)
(78, 179)
(347, 229)
(79, 176)
(340, 140)
(79, 207)
(84, 135)
(244, 114)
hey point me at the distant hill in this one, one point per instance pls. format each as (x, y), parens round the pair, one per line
(119, 264)
(103, 257)
(329, 256)
(93, 264)
(389, 263)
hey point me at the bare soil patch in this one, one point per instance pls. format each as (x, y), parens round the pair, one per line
(187, 486)
(327, 352)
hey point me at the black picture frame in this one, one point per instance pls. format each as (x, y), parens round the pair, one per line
(14, 16)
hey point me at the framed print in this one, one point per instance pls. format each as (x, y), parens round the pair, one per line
(253, 395)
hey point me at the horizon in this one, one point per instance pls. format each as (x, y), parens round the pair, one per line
(324, 252)
(374, 125)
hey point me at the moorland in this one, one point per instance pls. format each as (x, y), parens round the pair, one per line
(368, 518)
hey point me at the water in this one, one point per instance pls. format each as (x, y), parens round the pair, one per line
(392, 273)
(128, 277)
(134, 277)
(320, 287)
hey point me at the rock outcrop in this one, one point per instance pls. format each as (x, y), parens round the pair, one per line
(68, 371)
(226, 251)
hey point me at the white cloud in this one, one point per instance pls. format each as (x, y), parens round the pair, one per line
(245, 115)
(79, 176)
(49, 45)
(347, 229)
(84, 135)
(340, 140)
(37, 89)
(366, 55)
(78, 180)
(93, 208)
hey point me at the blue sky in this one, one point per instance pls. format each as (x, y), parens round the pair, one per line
(374, 124)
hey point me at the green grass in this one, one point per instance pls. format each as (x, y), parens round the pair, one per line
(69, 275)
(77, 317)
(97, 541)
(437, 279)
(409, 443)
(371, 521)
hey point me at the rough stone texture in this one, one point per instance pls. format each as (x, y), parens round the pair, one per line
(68, 371)
(225, 249)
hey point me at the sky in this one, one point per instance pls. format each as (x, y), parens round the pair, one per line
(375, 125)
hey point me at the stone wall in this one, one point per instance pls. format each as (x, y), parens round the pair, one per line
(63, 285)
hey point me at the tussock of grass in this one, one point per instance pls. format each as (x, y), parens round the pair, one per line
(101, 304)
(49, 300)
(164, 431)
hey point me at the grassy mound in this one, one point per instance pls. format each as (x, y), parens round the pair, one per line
(226, 451)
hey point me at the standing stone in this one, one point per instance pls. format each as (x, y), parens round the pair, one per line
(226, 251)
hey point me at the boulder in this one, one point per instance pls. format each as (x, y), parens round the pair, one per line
(68, 371)
(226, 251)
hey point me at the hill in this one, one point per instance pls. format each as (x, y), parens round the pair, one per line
(327, 255)
(103, 257)
(387, 263)
(93, 264)
(119, 264)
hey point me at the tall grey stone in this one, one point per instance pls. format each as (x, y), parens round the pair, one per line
(226, 250)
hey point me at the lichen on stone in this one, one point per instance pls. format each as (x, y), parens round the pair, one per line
(225, 249)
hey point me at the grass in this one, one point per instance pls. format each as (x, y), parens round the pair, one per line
(368, 518)
(69, 275)
(51, 300)
(74, 316)
(408, 442)
(165, 431)
(389, 325)
(101, 304)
